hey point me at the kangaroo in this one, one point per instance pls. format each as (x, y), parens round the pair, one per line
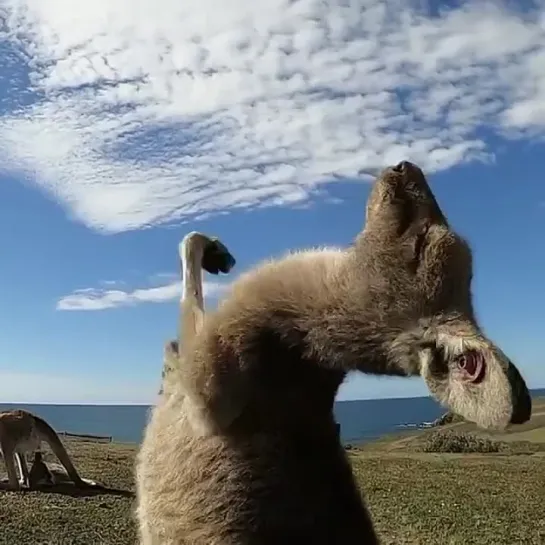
(39, 473)
(22, 432)
(225, 458)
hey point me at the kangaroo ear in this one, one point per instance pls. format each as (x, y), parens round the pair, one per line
(400, 198)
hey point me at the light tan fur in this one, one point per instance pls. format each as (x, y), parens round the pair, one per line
(193, 257)
(22, 432)
(195, 253)
(225, 458)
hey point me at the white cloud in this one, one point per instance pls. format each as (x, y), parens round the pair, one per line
(158, 110)
(102, 299)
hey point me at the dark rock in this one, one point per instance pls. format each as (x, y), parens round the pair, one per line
(448, 418)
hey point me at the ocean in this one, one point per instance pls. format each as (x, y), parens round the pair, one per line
(361, 420)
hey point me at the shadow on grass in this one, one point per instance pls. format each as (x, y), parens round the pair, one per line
(69, 489)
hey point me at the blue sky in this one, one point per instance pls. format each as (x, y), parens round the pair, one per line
(121, 130)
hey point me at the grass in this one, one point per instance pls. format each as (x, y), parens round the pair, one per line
(415, 497)
(449, 499)
(61, 518)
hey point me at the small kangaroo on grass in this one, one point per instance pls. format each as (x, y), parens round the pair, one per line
(22, 432)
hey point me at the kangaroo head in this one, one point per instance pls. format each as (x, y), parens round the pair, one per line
(419, 273)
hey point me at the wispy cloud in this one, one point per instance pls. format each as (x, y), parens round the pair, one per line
(158, 110)
(102, 299)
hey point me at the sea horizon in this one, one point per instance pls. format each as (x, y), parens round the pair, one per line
(540, 391)
(361, 420)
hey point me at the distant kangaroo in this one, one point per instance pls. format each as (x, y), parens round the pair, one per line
(39, 473)
(22, 432)
(244, 450)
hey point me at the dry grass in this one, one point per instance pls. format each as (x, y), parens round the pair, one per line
(51, 518)
(415, 498)
(455, 499)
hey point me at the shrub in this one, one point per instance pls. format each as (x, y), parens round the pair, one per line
(459, 442)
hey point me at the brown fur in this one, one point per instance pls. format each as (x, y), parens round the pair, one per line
(22, 432)
(244, 451)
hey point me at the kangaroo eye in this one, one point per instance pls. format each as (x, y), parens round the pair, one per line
(472, 364)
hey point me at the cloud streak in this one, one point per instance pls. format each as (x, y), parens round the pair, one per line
(103, 299)
(140, 113)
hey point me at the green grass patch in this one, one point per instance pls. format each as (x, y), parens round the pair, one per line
(472, 494)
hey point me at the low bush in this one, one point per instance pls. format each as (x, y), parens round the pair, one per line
(460, 442)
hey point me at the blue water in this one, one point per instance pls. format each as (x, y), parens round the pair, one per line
(360, 420)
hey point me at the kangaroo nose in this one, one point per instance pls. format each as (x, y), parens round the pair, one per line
(402, 167)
